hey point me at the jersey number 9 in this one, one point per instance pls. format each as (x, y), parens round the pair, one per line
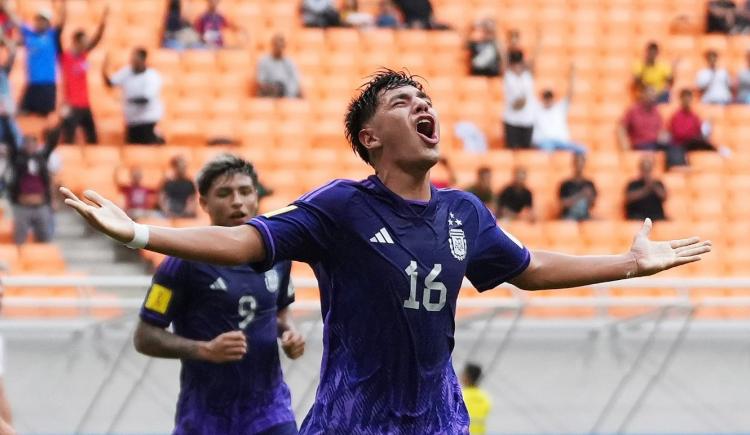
(246, 309)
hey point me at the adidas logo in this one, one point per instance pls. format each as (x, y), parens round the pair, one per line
(382, 236)
(219, 284)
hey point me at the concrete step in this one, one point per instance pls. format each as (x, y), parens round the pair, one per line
(76, 256)
(120, 269)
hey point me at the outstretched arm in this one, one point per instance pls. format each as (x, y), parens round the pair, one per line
(550, 270)
(62, 15)
(218, 245)
(99, 30)
(158, 342)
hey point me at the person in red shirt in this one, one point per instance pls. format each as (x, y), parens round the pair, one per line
(211, 24)
(685, 126)
(641, 128)
(139, 200)
(74, 66)
(7, 20)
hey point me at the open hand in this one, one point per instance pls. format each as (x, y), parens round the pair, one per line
(227, 347)
(652, 257)
(293, 344)
(102, 214)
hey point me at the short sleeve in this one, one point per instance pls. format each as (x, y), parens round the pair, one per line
(637, 68)
(496, 257)
(168, 293)
(120, 76)
(306, 230)
(26, 32)
(564, 190)
(286, 289)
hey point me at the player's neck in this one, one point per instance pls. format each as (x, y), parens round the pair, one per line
(415, 187)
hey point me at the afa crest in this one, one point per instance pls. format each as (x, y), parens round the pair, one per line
(272, 280)
(457, 243)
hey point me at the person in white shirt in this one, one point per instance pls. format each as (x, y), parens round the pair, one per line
(520, 103)
(277, 74)
(141, 95)
(551, 130)
(713, 82)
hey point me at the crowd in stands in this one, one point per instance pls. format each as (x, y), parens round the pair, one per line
(530, 120)
(644, 195)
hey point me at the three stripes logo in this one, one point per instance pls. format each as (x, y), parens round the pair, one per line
(219, 284)
(382, 236)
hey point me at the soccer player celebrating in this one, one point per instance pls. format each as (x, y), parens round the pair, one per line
(226, 321)
(390, 253)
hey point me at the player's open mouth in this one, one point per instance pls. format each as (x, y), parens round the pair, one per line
(237, 215)
(426, 129)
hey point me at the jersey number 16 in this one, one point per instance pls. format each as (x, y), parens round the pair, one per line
(430, 285)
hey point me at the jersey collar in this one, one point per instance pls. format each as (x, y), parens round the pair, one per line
(399, 204)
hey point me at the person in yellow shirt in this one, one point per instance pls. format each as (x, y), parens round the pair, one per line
(477, 401)
(654, 73)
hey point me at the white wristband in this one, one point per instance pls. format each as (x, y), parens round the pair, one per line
(140, 236)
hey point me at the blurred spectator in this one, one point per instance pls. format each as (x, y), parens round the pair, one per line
(7, 21)
(353, 17)
(177, 198)
(277, 74)
(75, 69)
(485, 50)
(139, 199)
(515, 200)
(577, 194)
(478, 402)
(387, 16)
(641, 127)
(320, 13)
(41, 41)
(713, 82)
(686, 128)
(212, 23)
(743, 80)
(471, 136)
(418, 14)
(31, 185)
(655, 73)
(519, 103)
(141, 94)
(7, 102)
(178, 33)
(645, 196)
(5, 170)
(442, 174)
(721, 16)
(513, 44)
(482, 187)
(551, 130)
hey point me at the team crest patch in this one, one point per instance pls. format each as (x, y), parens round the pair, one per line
(457, 242)
(456, 238)
(272, 280)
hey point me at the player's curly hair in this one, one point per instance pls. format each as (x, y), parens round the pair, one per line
(363, 107)
(224, 165)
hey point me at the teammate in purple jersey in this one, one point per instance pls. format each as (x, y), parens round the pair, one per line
(389, 254)
(226, 321)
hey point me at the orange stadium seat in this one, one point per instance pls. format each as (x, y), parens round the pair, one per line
(41, 258)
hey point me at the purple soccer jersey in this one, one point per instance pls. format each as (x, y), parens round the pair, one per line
(202, 301)
(389, 273)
